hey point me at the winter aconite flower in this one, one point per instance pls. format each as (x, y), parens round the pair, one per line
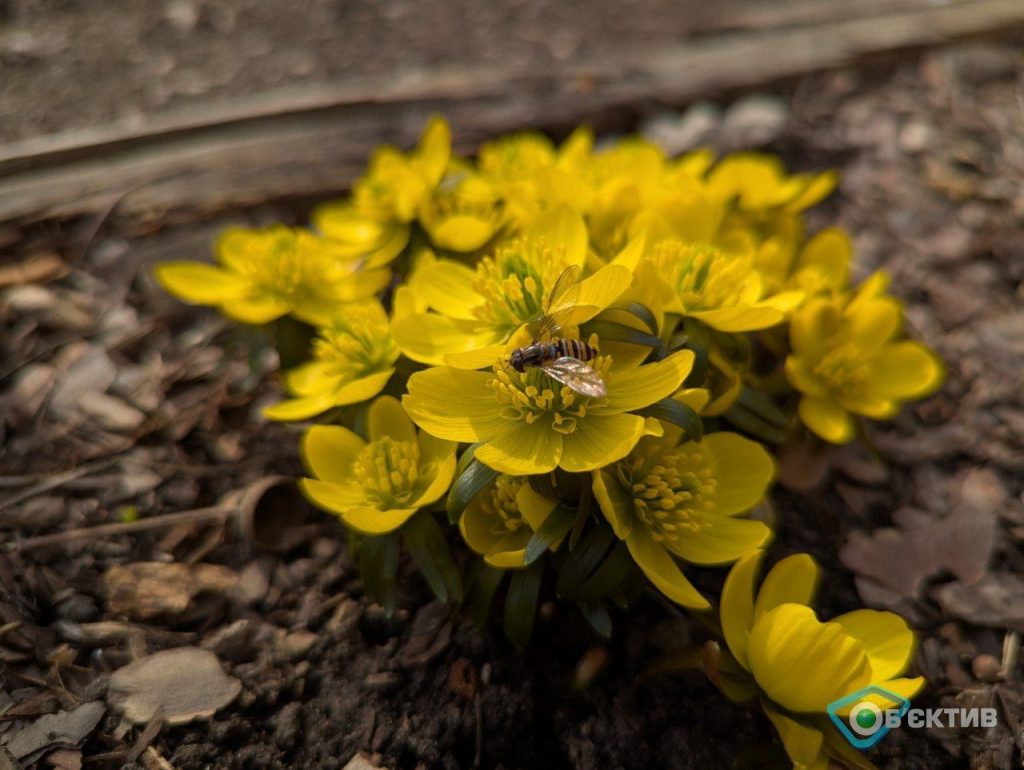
(670, 499)
(376, 223)
(463, 213)
(265, 274)
(353, 358)
(528, 423)
(798, 664)
(478, 310)
(717, 287)
(375, 486)
(848, 359)
(499, 522)
(759, 184)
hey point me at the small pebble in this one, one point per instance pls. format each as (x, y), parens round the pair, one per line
(986, 667)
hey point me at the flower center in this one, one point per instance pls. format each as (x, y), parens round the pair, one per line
(500, 505)
(390, 471)
(533, 395)
(289, 265)
(844, 369)
(671, 491)
(706, 277)
(513, 283)
(358, 343)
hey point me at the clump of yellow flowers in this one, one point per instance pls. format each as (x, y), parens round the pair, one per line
(575, 361)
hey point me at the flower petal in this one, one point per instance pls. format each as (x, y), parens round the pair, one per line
(600, 439)
(803, 664)
(793, 580)
(200, 283)
(662, 570)
(828, 419)
(328, 451)
(311, 378)
(336, 498)
(737, 609)
(372, 521)
(887, 639)
(534, 506)
(427, 337)
(615, 502)
(636, 388)
(803, 743)
(447, 286)
(454, 404)
(721, 540)
(388, 418)
(906, 370)
(743, 469)
(522, 449)
(811, 327)
(441, 482)
(299, 408)
(741, 318)
(362, 389)
(905, 687)
(561, 226)
(255, 310)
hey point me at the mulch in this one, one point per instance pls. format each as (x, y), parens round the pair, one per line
(118, 404)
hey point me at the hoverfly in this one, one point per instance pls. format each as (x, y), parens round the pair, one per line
(563, 360)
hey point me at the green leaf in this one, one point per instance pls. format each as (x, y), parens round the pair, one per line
(468, 485)
(429, 550)
(294, 340)
(612, 572)
(378, 567)
(484, 584)
(598, 618)
(555, 527)
(670, 410)
(584, 560)
(762, 406)
(753, 425)
(641, 311)
(521, 603)
(616, 332)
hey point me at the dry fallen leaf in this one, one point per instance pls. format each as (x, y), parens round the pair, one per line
(148, 589)
(897, 562)
(181, 684)
(65, 729)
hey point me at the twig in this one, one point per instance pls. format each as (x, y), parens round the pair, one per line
(194, 516)
(52, 482)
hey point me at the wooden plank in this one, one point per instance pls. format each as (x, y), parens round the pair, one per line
(313, 141)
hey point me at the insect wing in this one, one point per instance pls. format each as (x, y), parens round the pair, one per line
(559, 304)
(576, 375)
(569, 279)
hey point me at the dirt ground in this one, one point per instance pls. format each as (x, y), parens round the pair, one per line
(117, 402)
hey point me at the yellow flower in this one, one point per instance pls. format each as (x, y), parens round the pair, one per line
(759, 184)
(798, 664)
(375, 486)
(821, 265)
(375, 224)
(714, 286)
(528, 423)
(353, 358)
(669, 499)
(478, 311)
(848, 359)
(499, 522)
(463, 213)
(265, 274)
